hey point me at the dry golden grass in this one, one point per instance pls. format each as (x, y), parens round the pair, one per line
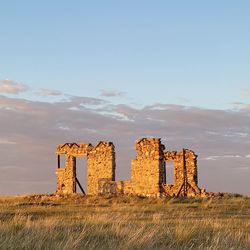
(76, 222)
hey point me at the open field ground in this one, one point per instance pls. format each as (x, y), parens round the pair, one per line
(47, 222)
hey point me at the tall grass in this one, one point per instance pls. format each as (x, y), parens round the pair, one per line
(47, 222)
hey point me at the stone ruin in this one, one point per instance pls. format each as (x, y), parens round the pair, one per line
(148, 173)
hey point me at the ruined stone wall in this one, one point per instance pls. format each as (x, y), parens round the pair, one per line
(100, 164)
(60, 185)
(191, 166)
(148, 168)
(66, 175)
(148, 172)
(192, 176)
(107, 186)
(185, 173)
(66, 183)
(178, 160)
(124, 187)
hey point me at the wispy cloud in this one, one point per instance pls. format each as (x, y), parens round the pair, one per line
(13, 103)
(112, 93)
(219, 157)
(49, 92)
(11, 87)
(3, 141)
(243, 106)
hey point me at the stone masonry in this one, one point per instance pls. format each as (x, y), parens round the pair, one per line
(148, 172)
(185, 174)
(100, 164)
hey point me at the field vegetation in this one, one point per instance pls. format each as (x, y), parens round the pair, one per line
(77, 222)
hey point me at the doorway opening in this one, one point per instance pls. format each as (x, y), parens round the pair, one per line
(170, 172)
(61, 161)
(81, 174)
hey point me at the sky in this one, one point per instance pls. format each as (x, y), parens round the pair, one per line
(87, 71)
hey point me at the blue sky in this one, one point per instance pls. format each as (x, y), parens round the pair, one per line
(87, 71)
(184, 52)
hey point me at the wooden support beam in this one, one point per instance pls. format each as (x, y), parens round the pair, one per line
(80, 186)
(58, 161)
(179, 191)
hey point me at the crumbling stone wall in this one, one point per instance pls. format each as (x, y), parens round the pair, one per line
(100, 164)
(185, 174)
(148, 177)
(107, 186)
(66, 176)
(148, 168)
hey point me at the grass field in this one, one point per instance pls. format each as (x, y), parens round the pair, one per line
(48, 222)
